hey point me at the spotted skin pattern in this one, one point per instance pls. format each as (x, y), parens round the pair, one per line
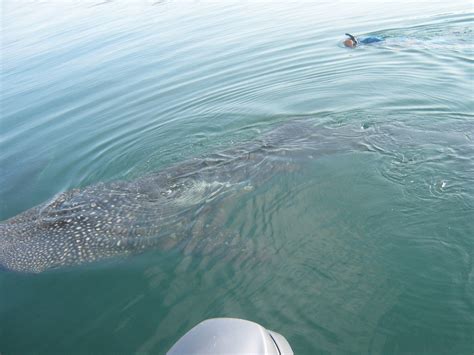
(127, 217)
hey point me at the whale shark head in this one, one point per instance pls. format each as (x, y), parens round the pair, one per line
(99, 222)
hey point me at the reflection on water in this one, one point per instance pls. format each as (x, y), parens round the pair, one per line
(361, 244)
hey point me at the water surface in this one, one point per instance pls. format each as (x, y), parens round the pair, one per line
(366, 247)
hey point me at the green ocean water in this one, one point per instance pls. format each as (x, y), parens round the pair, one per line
(365, 245)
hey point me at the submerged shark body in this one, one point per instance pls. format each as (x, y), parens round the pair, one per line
(161, 209)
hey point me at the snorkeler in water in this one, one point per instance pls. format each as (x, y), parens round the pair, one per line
(352, 41)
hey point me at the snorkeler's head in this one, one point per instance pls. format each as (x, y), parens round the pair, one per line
(350, 42)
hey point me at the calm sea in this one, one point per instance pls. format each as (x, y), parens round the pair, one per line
(367, 247)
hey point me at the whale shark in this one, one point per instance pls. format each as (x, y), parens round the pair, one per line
(161, 209)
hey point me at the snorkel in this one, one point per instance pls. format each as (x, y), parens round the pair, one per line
(353, 39)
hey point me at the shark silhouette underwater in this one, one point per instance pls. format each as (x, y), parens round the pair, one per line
(161, 209)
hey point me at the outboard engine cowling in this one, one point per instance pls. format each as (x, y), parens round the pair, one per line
(230, 336)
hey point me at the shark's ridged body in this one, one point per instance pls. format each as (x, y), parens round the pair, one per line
(124, 217)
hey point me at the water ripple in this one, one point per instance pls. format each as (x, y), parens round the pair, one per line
(354, 237)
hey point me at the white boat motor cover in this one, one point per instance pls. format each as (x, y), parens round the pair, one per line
(230, 336)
